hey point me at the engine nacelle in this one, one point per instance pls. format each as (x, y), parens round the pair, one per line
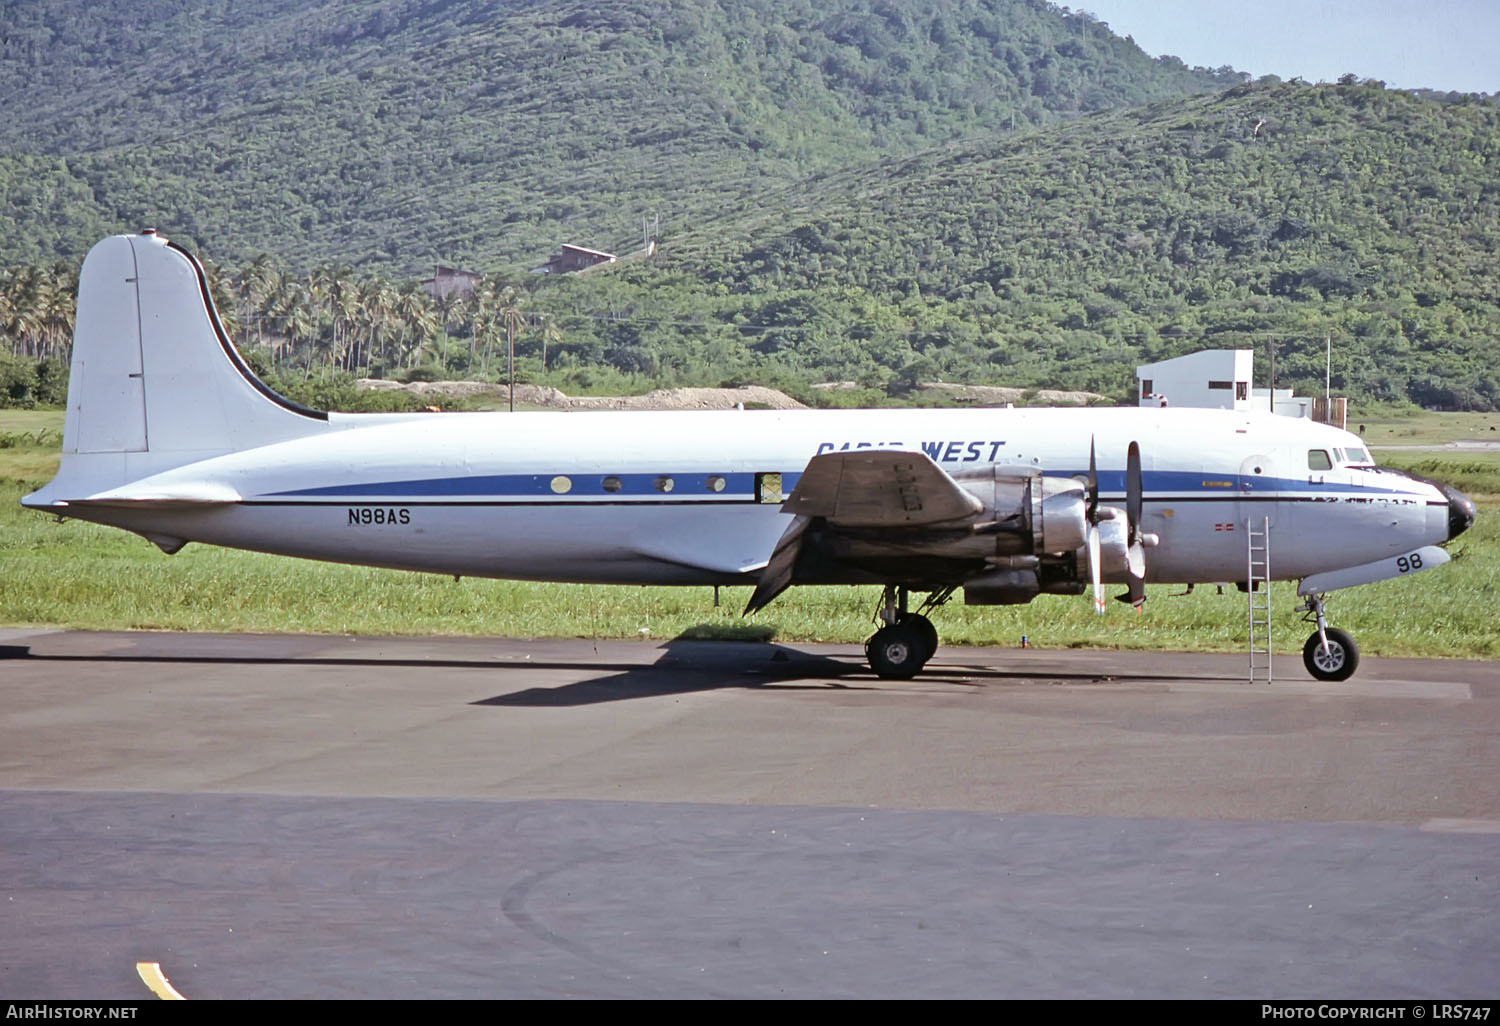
(1020, 579)
(1031, 513)
(1062, 515)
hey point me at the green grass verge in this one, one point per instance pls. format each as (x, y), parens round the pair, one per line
(1420, 427)
(79, 575)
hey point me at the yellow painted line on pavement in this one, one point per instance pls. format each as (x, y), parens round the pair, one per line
(152, 976)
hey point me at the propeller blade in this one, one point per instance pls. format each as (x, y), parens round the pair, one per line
(1094, 569)
(1134, 504)
(1136, 559)
(1133, 492)
(1091, 511)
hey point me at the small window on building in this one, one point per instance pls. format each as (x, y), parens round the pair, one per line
(1145, 387)
(767, 487)
(1221, 385)
(1317, 459)
(1242, 390)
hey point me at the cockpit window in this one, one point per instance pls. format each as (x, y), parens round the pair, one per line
(1358, 455)
(1317, 459)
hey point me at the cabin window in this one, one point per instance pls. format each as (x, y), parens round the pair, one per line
(561, 485)
(611, 484)
(1317, 459)
(663, 484)
(767, 487)
(714, 483)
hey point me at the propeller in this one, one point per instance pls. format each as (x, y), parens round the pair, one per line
(1091, 515)
(1125, 539)
(1135, 552)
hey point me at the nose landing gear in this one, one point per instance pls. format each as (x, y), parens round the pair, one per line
(1330, 654)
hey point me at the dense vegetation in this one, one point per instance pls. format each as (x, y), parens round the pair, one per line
(883, 191)
(1272, 213)
(407, 132)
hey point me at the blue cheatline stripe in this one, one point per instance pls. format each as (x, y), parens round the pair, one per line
(694, 486)
(684, 486)
(1208, 482)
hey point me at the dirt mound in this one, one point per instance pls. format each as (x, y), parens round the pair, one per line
(994, 395)
(747, 397)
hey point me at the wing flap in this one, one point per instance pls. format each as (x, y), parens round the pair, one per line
(879, 488)
(777, 575)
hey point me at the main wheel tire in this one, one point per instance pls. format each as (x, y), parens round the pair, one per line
(1337, 662)
(897, 652)
(926, 630)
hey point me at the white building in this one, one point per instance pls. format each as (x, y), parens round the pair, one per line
(1217, 379)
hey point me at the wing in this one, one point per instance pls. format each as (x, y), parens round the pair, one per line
(879, 488)
(866, 488)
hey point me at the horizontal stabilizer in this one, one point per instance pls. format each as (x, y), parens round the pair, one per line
(186, 496)
(879, 488)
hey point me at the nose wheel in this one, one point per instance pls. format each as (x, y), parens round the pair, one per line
(1330, 654)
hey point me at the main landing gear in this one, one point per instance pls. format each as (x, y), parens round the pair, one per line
(1330, 654)
(905, 641)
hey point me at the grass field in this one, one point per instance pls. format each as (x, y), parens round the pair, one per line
(1413, 427)
(77, 575)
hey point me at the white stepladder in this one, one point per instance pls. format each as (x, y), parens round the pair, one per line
(1258, 594)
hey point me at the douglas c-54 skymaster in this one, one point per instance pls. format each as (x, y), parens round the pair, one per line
(170, 435)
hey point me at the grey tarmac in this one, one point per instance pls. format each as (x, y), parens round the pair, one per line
(283, 816)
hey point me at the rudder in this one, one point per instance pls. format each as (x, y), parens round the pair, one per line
(155, 382)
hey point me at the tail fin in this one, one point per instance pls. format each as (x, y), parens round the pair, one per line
(155, 382)
(153, 370)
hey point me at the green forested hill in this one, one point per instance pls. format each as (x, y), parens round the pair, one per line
(485, 132)
(1270, 211)
(878, 190)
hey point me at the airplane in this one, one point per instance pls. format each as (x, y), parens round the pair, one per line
(170, 435)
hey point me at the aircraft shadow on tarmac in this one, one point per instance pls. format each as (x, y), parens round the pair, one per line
(688, 664)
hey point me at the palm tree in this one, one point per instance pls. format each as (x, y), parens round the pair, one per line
(258, 285)
(551, 333)
(509, 304)
(417, 319)
(8, 309)
(58, 307)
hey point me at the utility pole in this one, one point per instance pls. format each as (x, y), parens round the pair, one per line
(1328, 365)
(1271, 392)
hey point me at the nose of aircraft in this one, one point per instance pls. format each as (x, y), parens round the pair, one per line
(1460, 511)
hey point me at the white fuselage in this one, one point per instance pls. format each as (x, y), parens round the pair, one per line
(694, 497)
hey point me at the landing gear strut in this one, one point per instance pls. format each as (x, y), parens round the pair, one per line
(1330, 654)
(906, 640)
